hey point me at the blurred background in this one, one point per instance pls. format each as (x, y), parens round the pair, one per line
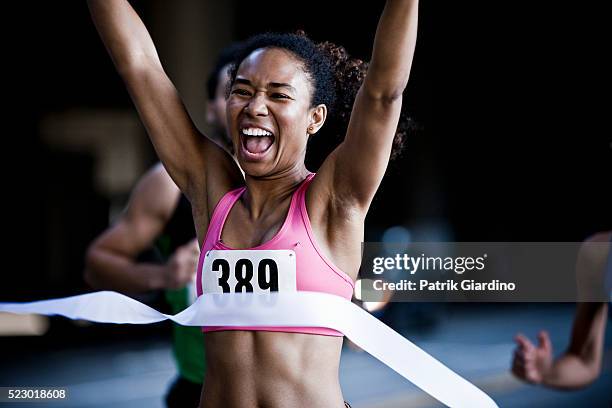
(509, 147)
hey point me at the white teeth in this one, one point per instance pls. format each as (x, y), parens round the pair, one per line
(255, 132)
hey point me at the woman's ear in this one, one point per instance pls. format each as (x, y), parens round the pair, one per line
(318, 114)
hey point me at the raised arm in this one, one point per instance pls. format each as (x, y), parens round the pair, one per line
(111, 258)
(358, 165)
(188, 156)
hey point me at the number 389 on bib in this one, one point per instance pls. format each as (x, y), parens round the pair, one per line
(248, 270)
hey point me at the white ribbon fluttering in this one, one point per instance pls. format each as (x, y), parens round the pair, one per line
(303, 309)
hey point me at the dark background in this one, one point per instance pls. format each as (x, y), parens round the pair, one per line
(514, 144)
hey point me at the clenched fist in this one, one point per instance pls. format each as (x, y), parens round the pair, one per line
(181, 267)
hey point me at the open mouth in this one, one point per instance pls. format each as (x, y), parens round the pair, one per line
(256, 141)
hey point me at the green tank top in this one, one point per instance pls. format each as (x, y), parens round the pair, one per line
(188, 341)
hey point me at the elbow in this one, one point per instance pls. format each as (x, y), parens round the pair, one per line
(591, 360)
(591, 369)
(387, 94)
(594, 373)
(386, 83)
(589, 377)
(391, 96)
(136, 65)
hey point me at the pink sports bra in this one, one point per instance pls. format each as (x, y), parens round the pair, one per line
(314, 271)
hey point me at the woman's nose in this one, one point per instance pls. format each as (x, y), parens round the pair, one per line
(257, 105)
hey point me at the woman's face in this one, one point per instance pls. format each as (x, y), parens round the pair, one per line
(269, 113)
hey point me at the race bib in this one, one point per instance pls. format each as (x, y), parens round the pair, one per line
(248, 270)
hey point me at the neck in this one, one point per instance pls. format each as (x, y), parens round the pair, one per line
(269, 192)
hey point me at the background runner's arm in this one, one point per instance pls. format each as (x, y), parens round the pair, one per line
(359, 163)
(185, 153)
(111, 258)
(580, 365)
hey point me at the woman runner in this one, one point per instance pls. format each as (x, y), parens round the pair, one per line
(283, 90)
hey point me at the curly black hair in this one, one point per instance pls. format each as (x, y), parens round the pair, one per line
(335, 77)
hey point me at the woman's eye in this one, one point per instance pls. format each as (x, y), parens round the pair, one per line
(242, 92)
(280, 96)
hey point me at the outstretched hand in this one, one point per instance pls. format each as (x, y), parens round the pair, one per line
(531, 363)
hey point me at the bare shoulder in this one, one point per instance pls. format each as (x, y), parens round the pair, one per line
(155, 194)
(152, 203)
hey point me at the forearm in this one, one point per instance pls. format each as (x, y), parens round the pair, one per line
(571, 371)
(177, 141)
(393, 51)
(106, 270)
(581, 363)
(123, 33)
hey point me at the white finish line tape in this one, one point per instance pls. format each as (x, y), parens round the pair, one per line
(306, 309)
